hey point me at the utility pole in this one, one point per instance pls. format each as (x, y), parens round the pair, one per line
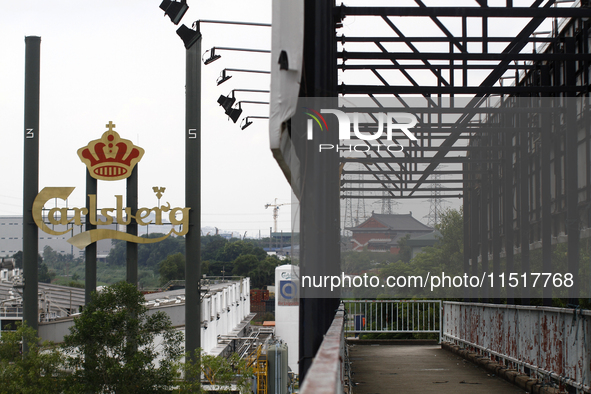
(193, 198)
(31, 180)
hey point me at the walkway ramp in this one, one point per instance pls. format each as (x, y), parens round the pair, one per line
(407, 369)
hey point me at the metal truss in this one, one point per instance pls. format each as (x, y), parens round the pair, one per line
(456, 69)
(460, 65)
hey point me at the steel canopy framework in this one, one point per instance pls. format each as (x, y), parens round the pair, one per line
(453, 68)
(454, 72)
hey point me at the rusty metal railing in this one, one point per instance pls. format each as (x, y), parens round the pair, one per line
(550, 344)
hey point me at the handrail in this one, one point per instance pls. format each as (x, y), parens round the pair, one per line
(326, 374)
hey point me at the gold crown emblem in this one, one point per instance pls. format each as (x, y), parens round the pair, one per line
(111, 157)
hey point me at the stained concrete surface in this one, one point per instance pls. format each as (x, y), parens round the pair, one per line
(393, 369)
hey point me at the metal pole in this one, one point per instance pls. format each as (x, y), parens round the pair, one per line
(508, 191)
(475, 247)
(466, 219)
(495, 196)
(193, 201)
(546, 196)
(524, 206)
(31, 179)
(484, 226)
(132, 247)
(90, 250)
(572, 174)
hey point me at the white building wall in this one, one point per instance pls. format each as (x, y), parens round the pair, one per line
(11, 238)
(211, 306)
(223, 311)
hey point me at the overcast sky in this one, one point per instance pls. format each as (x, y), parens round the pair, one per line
(122, 61)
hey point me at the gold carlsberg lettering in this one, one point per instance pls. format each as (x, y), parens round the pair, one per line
(60, 216)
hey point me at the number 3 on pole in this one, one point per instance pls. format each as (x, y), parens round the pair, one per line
(192, 133)
(29, 134)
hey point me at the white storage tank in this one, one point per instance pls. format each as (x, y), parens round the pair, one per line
(277, 381)
(287, 310)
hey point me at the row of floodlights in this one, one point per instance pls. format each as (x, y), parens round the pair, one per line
(226, 102)
(175, 11)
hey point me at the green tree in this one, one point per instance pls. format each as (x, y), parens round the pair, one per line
(39, 370)
(219, 268)
(264, 273)
(149, 255)
(405, 252)
(50, 256)
(232, 250)
(112, 346)
(43, 273)
(445, 256)
(18, 259)
(172, 268)
(211, 245)
(244, 264)
(219, 371)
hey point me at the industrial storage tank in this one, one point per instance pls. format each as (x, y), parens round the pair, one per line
(278, 380)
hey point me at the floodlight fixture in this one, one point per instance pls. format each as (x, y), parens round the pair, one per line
(234, 113)
(213, 56)
(224, 77)
(247, 122)
(175, 10)
(226, 101)
(189, 36)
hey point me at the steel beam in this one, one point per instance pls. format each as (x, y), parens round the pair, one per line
(484, 56)
(524, 211)
(482, 12)
(572, 173)
(401, 197)
(546, 196)
(476, 90)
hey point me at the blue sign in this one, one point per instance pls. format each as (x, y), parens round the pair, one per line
(287, 293)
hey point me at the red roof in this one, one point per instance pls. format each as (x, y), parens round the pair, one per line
(393, 222)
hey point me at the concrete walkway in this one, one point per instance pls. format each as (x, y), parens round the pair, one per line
(392, 369)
